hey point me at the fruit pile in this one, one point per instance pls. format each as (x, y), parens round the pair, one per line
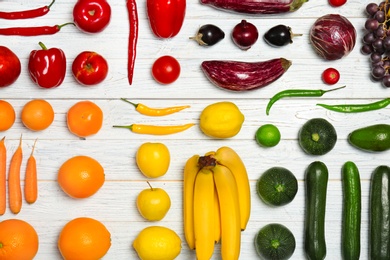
(217, 203)
(216, 187)
(376, 41)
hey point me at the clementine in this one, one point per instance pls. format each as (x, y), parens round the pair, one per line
(84, 118)
(37, 114)
(7, 115)
(18, 240)
(84, 238)
(81, 176)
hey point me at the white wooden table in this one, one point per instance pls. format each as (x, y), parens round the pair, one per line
(115, 149)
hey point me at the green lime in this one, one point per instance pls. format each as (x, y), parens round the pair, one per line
(267, 135)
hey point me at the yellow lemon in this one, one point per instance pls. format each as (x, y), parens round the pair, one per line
(153, 159)
(153, 203)
(221, 120)
(157, 243)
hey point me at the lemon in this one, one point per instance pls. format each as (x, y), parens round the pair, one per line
(221, 120)
(267, 135)
(153, 159)
(157, 243)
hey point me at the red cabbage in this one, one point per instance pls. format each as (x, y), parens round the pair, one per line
(333, 36)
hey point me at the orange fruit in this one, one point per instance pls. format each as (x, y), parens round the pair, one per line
(84, 238)
(18, 240)
(37, 114)
(81, 176)
(7, 115)
(84, 118)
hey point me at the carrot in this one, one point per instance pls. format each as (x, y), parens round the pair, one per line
(14, 187)
(31, 181)
(3, 178)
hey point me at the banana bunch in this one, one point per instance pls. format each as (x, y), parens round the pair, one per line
(216, 203)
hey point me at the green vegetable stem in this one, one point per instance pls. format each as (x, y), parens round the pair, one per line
(356, 108)
(297, 93)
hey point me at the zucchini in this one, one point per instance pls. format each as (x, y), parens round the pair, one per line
(351, 212)
(380, 213)
(316, 177)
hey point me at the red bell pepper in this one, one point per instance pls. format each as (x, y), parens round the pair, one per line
(166, 16)
(47, 67)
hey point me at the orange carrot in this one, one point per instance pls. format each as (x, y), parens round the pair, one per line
(14, 187)
(31, 181)
(3, 178)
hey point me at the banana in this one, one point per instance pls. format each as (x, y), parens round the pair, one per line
(228, 157)
(217, 218)
(226, 186)
(190, 171)
(204, 214)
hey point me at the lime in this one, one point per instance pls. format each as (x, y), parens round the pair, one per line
(267, 135)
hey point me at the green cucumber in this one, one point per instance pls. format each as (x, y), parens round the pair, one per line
(351, 212)
(373, 138)
(316, 177)
(380, 213)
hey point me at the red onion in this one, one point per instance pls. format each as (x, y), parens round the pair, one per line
(333, 36)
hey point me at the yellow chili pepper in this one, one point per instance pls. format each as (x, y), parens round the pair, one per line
(148, 111)
(156, 129)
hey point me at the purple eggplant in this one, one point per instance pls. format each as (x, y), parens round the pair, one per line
(243, 76)
(256, 6)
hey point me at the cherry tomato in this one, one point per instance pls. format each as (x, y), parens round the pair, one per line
(166, 69)
(337, 3)
(330, 76)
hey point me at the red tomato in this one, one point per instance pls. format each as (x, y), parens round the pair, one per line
(166, 69)
(89, 68)
(337, 3)
(330, 76)
(91, 16)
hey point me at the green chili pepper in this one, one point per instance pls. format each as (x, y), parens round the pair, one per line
(297, 93)
(356, 108)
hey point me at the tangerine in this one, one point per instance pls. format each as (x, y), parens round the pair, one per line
(37, 114)
(18, 240)
(81, 176)
(84, 238)
(84, 118)
(7, 115)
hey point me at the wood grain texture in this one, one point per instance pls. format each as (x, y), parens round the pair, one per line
(115, 149)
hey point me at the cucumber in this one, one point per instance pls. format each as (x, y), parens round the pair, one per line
(351, 212)
(380, 213)
(316, 177)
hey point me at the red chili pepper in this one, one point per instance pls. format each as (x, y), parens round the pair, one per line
(47, 67)
(166, 16)
(133, 38)
(41, 11)
(32, 31)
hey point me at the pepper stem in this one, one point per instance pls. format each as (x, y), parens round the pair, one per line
(135, 105)
(130, 127)
(52, 2)
(333, 89)
(43, 46)
(64, 24)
